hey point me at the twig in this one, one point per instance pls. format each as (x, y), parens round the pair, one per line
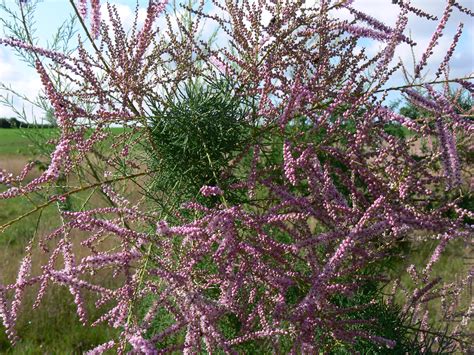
(426, 83)
(71, 192)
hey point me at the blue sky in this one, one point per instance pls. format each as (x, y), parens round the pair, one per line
(51, 13)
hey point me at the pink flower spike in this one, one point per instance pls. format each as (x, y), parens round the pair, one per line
(210, 191)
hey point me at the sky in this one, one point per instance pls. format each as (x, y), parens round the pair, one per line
(51, 13)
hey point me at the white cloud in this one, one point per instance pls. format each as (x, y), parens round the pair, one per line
(126, 14)
(22, 79)
(26, 81)
(422, 30)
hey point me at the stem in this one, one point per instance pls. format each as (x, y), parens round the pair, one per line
(91, 40)
(27, 32)
(427, 83)
(109, 71)
(432, 333)
(71, 192)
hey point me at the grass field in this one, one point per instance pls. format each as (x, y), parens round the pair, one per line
(14, 141)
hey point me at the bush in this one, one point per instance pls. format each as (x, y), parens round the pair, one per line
(271, 183)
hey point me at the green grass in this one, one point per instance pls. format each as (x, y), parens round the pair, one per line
(19, 140)
(451, 265)
(19, 233)
(54, 327)
(14, 141)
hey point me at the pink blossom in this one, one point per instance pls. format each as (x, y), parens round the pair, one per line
(210, 191)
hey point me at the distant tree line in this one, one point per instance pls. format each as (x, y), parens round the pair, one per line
(14, 123)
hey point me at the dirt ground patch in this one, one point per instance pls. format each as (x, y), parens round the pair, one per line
(14, 163)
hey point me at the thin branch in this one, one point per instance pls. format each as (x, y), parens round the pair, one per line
(423, 84)
(71, 192)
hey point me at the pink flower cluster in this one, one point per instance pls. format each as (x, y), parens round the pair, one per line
(210, 191)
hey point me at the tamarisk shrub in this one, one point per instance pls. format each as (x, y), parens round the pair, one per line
(275, 190)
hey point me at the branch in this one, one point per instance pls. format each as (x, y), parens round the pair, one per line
(79, 189)
(109, 71)
(423, 84)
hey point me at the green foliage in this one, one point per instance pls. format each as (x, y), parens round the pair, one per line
(396, 130)
(196, 134)
(383, 320)
(164, 319)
